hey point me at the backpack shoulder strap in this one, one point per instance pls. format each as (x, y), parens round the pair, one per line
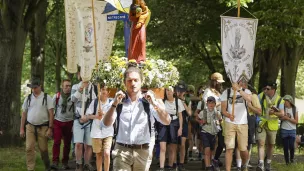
(57, 97)
(205, 113)
(176, 105)
(95, 106)
(29, 100)
(228, 94)
(56, 101)
(118, 111)
(147, 110)
(262, 103)
(44, 99)
(279, 102)
(294, 111)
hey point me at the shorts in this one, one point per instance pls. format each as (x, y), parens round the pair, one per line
(168, 133)
(82, 136)
(239, 131)
(185, 130)
(208, 140)
(101, 144)
(262, 133)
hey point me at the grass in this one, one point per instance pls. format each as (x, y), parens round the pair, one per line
(14, 158)
(284, 167)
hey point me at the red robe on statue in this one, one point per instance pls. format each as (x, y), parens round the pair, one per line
(137, 45)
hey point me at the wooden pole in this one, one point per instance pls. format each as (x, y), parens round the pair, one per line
(233, 101)
(239, 8)
(96, 55)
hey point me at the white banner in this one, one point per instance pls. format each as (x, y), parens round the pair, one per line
(238, 41)
(80, 35)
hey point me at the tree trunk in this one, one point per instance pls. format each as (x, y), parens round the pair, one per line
(270, 64)
(15, 18)
(12, 43)
(289, 70)
(37, 37)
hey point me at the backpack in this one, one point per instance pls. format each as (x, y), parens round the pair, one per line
(57, 101)
(44, 100)
(228, 97)
(119, 110)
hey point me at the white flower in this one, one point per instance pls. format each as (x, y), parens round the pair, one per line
(107, 66)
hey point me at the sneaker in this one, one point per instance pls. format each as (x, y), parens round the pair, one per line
(238, 169)
(215, 164)
(190, 154)
(244, 168)
(260, 167)
(88, 167)
(203, 164)
(54, 166)
(220, 163)
(181, 168)
(161, 169)
(79, 167)
(209, 168)
(65, 166)
(172, 169)
(249, 166)
(267, 166)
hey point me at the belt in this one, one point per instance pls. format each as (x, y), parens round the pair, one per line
(134, 146)
(173, 117)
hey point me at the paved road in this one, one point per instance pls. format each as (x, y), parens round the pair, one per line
(194, 165)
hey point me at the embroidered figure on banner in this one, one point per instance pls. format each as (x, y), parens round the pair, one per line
(88, 33)
(237, 51)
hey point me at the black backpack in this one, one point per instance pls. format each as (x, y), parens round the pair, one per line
(119, 110)
(44, 101)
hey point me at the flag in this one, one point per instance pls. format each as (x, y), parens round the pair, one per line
(121, 5)
(80, 35)
(238, 41)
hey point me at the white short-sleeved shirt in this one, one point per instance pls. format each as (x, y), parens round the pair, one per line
(171, 107)
(287, 125)
(240, 111)
(37, 114)
(133, 123)
(76, 96)
(97, 131)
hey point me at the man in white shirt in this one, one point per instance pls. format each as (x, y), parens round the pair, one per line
(37, 117)
(131, 152)
(101, 137)
(236, 125)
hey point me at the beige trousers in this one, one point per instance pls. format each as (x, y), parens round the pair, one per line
(42, 140)
(127, 159)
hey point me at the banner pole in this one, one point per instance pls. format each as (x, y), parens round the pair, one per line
(96, 57)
